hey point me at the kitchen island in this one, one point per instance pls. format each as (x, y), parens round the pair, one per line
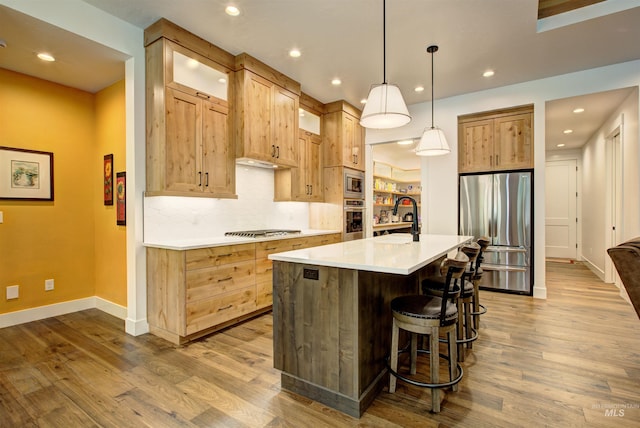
(331, 316)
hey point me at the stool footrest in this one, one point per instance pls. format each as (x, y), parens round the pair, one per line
(466, 340)
(482, 311)
(424, 384)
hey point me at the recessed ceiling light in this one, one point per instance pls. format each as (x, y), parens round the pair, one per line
(560, 145)
(300, 112)
(222, 80)
(192, 63)
(578, 110)
(295, 53)
(419, 88)
(232, 11)
(363, 101)
(488, 73)
(46, 57)
(568, 131)
(336, 82)
(405, 142)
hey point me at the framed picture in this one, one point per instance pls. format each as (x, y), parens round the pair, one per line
(108, 179)
(26, 174)
(121, 198)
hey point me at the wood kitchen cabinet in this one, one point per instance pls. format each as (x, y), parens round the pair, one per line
(343, 137)
(266, 126)
(189, 144)
(193, 292)
(495, 141)
(303, 183)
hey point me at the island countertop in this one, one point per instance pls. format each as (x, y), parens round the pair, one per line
(394, 253)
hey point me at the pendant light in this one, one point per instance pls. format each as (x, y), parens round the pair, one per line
(385, 107)
(433, 141)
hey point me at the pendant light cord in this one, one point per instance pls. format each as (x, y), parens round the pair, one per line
(384, 42)
(433, 101)
(432, 49)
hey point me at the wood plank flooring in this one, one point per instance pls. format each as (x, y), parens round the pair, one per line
(570, 361)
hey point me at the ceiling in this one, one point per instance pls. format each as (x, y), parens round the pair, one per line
(343, 39)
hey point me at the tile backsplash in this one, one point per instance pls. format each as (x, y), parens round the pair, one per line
(169, 218)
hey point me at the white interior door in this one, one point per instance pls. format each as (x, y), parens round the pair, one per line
(560, 209)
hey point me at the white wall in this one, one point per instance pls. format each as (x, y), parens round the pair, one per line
(440, 188)
(187, 219)
(595, 225)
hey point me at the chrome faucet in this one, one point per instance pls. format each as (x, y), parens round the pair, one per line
(414, 224)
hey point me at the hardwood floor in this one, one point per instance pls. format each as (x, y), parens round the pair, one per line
(570, 361)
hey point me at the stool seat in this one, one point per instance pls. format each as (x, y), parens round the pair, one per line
(424, 307)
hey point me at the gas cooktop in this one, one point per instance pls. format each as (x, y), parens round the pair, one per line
(262, 233)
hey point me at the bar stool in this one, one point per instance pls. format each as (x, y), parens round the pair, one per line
(466, 333)
(478, 309)
(430, 316)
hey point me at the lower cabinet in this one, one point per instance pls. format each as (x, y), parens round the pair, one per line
(191, 293)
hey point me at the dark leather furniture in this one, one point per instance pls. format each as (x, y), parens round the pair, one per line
(626, 258)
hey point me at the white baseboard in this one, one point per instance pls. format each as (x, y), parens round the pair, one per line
(111, 308)
(136, 327)
(48, 311)
(595, 269)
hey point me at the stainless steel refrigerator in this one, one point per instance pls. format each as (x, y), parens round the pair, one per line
(499, 206)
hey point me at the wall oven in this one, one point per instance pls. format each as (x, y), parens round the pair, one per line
(354, 219)
(353, 184)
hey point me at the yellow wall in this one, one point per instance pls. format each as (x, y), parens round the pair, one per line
(110, 239)
(42, 240)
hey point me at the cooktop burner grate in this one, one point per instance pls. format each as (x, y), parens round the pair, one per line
(262, 233)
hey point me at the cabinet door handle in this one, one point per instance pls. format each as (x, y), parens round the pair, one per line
(278, 152)
(199, 178)
(229, 278)
(311, 189)
(273, 151)
(202, 95)
(296, 245)
(224, 255)
(497, 160)
(206, 179)
(225, 307)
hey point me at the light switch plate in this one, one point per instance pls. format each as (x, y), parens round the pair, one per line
(48, 284)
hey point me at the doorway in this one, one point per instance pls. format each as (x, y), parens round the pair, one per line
(561, 201)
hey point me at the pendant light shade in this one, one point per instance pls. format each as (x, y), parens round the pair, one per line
(385, 107)
(433, 141)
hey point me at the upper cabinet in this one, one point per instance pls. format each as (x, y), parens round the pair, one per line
(189, 145)
(496, 140)
(343, 137)
(267, 105)
(304, 182)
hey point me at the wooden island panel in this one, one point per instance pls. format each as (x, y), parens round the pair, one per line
(332, 334)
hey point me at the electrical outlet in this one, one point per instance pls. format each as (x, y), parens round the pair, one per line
(13, 292)
(48, 284)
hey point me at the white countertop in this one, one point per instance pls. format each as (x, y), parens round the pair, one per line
(217, 241)
(395, 253)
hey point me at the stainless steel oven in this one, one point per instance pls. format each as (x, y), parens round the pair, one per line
(353, 219)
(353, 184)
